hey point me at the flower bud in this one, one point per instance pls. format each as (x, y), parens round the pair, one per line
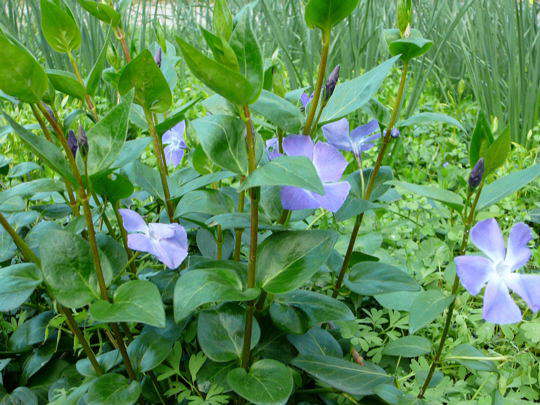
(72, 142)
(404, 16)
(476, 174)
(157, 57)
(50, 112)
(394, 133)
(82, 141)
(331, 83)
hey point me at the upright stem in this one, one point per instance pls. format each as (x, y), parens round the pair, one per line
(254, 229)
(219, 242)
(369, 189)
(121, 35)
(87, 97)
(320, 81)
(468, 224)
(239, 232)
(162, 165)
(27, 253)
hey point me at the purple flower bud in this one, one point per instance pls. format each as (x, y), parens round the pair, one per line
(476, 174)
(157, 57)
(394, 133)
(82, 141)
(332, 82)
(50, 112)
(72, 142)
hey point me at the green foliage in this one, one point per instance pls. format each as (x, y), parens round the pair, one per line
(324, 14)
(59, 26)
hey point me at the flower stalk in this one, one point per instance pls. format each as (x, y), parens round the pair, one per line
(87, 97)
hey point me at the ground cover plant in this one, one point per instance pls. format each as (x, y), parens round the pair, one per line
(226, 236)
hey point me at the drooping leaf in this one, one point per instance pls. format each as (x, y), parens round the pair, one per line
(17, 283)
(267, 382)
(325, 14)
(59, 27)
(372, 278)
(134, 301)
(37, 360)
(426, 307)
(66, 82)
(292, 258)
(408, 346)
(410, 48)
(113, 389)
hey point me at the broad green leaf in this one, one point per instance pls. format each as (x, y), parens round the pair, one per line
(325, 14)
(291, 258)
(68, 268)
(44, 149)
(59, 27)
(114, 187)
(319, 308)
(30, 188)
(267, 382)
(222, 138)
(101, 11)
(22, 169)
(410, 48)
(296, 171)
(408, 346)
(399, 300)
(17, 283)
(507, 185)
(113, 389)
(94, 76)
(428, 118)
(152, 91)
(222, 51)
(433, 192)
(198, 287)
(427, 307)
(472, 358)
(496, 153)
(106, 360)
(146, 178)
(218, 77)
(280, 112)
(131, 151)
(220, 332)
(373, 278)
(353, 207)
(380, 185)
(289, 319)
(39, 358)
(21, 76)
(176, 116)
(238, 220)
(222, 19)
(198, 183)
(343, 375)
(245, 46)
(31, 332)
(20, 396)
(481, 137)
(66, 82)
(107, 137)
(147, 351)
(353, 94)
(316, 342)
(134, 301)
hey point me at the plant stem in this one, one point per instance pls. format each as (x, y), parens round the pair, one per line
(382, 151)
(121, 35)
(162, 165)
(219, 242)
(87, 97)
(239, 232)
(254, 229)
(320, 81)
(468, 224)
(27, 253)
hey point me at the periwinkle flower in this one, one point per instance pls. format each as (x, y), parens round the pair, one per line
(158, 56)
(394, 133)
(477, 173)
(305, 99)
(167, 242)
(331, 83)
(330, 165)
(272, 148)
(72, 142)
(357, 141)
(497, 271)
(174, 139)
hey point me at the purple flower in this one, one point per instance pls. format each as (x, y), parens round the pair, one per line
(331, 83)
(167, 242)
(72, 142)
(174, 139)
(157, 57)
(305, 99)
(394, 133)
(272, 148)
(497, 270)
(330, 165)
(359, 140)
(476, 174)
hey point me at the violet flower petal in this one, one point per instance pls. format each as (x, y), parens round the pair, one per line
(499, 307)
(298, 145)
(334, 197)
(159, 231)
(527, 286)
(305, 99)
(473, 272)
(295, 198)
(518, 253)
(337, 134)
(363, 131)
(175, 134)
(140, 242)
(329, 162)
(487, 236)
(132, 221)
(173, 156)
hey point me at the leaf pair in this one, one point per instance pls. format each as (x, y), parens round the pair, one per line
(484, 145)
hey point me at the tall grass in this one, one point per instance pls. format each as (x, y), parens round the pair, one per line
(494, 46)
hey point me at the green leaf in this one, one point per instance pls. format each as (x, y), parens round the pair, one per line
(66, 82)
(427, 307)
(20, 396)
(106, 360)
(199, 287)
(399, 300)
(222, 19)
(148, 351)
(59, 27)
(114, 187)
(22, 169)
(372, 278)
(107, 137)
(222, 138)
(237, 220)
(221, 49)
(28, 189)
(245, 46)
(204, 202)
(17, 283)
(30, 332)
(113, 389)
(408, 346)
(343, 375)
(319, 308)
(447, 197)
(280, 112)
(495, 155)
(35, 362)
(292, 258)
(410, 48)
(316, 342)
(152, 91)
(325, 14)
(21, 76)
(428, 118)
(353, 94)
(481, 137)
(267, 382)
(146, 178)
(44, 149)
(507, 185)
(218, 77)
(472, 358)
(296, 171)
(353, 207)
(68, 268)
(94, 76)
(101, 11)
(131, 151)
(198, 183)
(134, 301)
(220, 332)
(380, 185)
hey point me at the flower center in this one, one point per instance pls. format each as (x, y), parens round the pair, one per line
(503, 269)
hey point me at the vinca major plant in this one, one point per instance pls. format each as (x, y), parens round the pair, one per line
(171, 256)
